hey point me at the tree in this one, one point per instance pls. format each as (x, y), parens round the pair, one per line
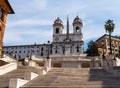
(109, 27)
(92, 49)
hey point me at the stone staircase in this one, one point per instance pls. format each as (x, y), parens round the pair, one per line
(18, 73)
(75, 78)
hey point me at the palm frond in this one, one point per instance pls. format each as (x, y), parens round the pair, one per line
(109, 26)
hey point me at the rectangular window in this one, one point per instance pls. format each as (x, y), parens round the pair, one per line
(42, 49)
(2, 13)
(77, 50)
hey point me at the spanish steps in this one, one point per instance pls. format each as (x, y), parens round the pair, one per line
(75, 78)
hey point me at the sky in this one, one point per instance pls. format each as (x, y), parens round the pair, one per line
(33, 19)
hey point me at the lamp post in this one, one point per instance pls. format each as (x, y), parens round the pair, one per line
(30, 58)
(48, 50)
(51, 49)
(63, 47)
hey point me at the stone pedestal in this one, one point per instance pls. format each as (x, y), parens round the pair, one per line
(31, 63)
(47, 64)
(30, 75)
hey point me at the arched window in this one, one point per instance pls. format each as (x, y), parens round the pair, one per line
(77, 29)
(57, 30)
(42, 49)
(41, 54)
(77, 48)
(56, 51)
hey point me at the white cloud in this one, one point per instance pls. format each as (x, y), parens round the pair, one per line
(27, 36)
(29, 22)
(39, 4)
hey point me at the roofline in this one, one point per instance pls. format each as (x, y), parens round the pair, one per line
(12, 11)
(24, 45)
(101, 37)
(107, 35)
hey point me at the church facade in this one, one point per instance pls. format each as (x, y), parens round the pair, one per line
(69, 43)
(62, 44)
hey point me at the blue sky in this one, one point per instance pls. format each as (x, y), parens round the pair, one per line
(33, 19)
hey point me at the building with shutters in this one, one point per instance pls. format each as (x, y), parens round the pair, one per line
(104, 45)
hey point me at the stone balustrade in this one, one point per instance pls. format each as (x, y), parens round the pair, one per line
(16, 82)
(7, 68)
(8, 58)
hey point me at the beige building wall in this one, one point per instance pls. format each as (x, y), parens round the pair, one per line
(104, 47)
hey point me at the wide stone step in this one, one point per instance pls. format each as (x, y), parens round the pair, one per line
(74, 78)
(80, 86)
